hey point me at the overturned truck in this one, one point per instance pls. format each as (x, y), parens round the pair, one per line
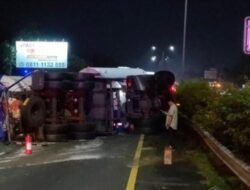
(82, 105)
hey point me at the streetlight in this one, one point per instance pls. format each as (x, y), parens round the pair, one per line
(166, 54)
(153, 48)
(153, 58)
(171, 48)
(184, 36)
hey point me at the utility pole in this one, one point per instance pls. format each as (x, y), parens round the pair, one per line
(184, 37)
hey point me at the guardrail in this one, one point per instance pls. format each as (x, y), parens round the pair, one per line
(238, 167)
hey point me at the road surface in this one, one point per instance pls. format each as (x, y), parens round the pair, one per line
(122, 162)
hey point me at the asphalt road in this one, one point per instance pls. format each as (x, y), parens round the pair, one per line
(100, 164)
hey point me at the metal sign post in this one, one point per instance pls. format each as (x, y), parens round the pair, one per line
(246, 44)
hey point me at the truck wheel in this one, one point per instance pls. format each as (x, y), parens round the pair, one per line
(166, 77)
(33, 113)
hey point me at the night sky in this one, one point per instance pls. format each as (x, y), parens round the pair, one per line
(126, 29)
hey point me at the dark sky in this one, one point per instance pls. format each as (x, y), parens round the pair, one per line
(125, 29)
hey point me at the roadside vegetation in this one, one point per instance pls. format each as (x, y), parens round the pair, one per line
(213, 178)
(224, 112)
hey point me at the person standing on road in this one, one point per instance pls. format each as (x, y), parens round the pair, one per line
(171, 122)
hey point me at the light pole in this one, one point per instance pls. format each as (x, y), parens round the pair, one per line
(184, 36)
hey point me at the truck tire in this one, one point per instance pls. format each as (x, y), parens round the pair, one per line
(165, 77)
(33, 113)
(163, 81)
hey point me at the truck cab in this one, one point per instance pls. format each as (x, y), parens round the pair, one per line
(146, 96)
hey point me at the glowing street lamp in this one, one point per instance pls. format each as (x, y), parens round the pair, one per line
(153, 48)
(171, 48)
(153, 58)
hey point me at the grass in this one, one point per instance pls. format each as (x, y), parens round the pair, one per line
(209, 171)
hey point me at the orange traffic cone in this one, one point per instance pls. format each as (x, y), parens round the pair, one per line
(28, 144)
(168, 155)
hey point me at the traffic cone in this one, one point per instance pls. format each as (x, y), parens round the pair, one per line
(28, 144)
(168, 155)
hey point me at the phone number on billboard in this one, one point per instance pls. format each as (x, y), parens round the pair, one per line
(42, 65)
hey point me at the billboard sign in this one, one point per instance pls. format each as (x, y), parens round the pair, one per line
(246, 46)
(210, 74)
(37, 54)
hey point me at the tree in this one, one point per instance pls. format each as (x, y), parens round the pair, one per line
(7, 58)
(8, 50)
(239, 73)
(76, 63)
